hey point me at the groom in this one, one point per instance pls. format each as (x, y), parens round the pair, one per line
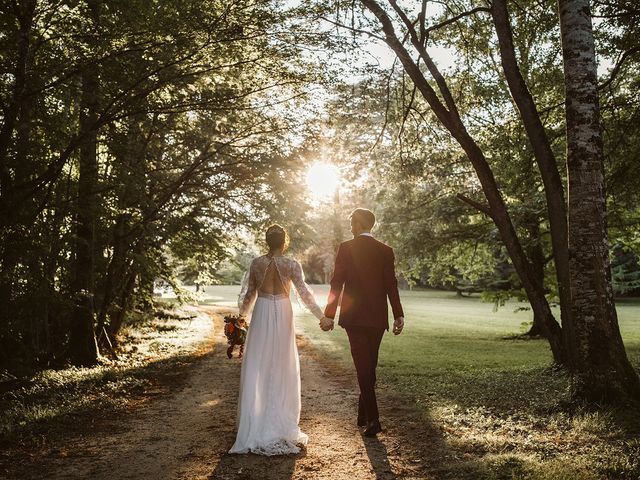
(365, 268)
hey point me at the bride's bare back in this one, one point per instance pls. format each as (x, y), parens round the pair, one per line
(272, 283)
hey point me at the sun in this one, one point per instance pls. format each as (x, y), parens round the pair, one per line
(323, 180)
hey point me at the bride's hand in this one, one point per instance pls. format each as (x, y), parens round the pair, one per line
(326, 324)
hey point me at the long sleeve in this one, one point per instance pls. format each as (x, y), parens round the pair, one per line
(304, 292)
(248, 291)
(391, 285)
(337, 282)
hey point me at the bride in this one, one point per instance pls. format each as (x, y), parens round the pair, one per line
(269, 400)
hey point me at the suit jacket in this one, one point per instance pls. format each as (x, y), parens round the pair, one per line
(365, 268)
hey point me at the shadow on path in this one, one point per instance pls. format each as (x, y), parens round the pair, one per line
(377, 453)
(250, 466)
(187, 433)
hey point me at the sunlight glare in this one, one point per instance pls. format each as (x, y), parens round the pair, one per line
(322, 180)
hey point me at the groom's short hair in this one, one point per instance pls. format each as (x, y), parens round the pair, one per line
(364, 217)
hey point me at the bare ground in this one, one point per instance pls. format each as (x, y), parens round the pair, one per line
(185, 432)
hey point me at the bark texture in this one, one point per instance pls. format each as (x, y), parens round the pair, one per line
(601, 370)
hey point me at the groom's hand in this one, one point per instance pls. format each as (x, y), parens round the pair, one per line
(398, 325)
(326, 324)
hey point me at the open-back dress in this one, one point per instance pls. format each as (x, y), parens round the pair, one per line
(269, 400)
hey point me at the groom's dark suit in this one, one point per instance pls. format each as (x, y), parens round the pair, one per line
(365, 268)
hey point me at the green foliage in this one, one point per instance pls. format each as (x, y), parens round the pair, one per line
(415, 171)
(625, 271)
(194, 138)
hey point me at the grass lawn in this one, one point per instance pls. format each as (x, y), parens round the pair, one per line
(495, 397)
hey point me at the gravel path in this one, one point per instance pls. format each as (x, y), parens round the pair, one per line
(185, 434)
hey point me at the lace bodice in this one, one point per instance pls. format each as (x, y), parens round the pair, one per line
(289, 271)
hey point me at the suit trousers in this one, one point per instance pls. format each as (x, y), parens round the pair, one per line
(365, 343)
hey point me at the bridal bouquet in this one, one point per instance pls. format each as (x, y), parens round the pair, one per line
(235, 329)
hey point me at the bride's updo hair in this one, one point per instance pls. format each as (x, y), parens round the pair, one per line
(276, 238)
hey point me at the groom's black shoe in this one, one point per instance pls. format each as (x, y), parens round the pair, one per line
(373, 428)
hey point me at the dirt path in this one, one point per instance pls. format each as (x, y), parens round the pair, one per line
(185, 434)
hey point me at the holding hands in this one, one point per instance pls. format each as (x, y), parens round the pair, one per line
(326, 324)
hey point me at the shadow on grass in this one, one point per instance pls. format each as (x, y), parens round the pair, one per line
(413, 444)
(428, 452)
(54, 404)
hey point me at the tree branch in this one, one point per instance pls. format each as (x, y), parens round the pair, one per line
(431, 66)
(477, 205)
(352, 29)
(451, 20)
(410, 66)
(618, 66)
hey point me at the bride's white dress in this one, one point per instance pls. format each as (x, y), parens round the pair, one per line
(269, 399)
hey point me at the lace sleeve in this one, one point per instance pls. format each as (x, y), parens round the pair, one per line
(247, 291)
(304, 292)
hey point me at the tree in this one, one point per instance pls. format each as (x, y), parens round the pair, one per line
(598, 361)
(444, 106)
(132, 135)
(83, 349)
(447, 113)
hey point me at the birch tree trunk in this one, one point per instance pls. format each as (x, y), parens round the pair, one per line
(599, 365)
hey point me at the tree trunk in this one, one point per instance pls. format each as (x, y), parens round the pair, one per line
(129, 154)
(498, 212)
(553, 187)
(496, 207)
(123, 306)
(536, 254)
(82, 342)
(16, 123)
(115, 272)
(600, 368)
(24, 12)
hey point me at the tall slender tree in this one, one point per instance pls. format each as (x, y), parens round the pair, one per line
(598, 359)
(447, 113)
(545, 158)
(82, 342)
